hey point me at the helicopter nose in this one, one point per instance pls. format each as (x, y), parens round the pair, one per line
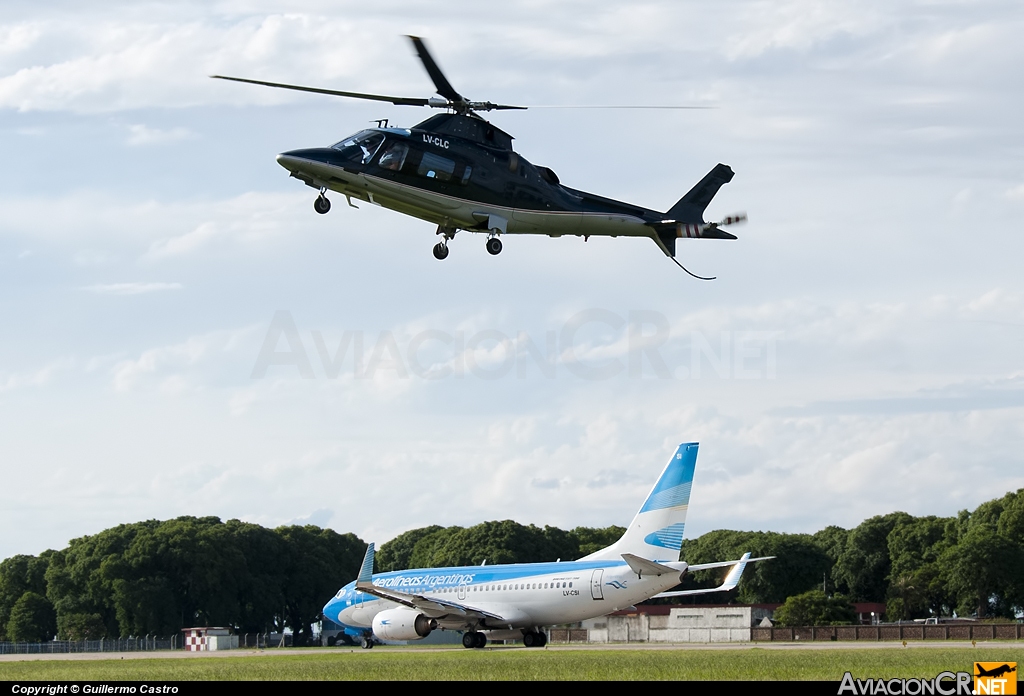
(290, 160)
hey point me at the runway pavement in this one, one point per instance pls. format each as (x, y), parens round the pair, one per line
(272, 652)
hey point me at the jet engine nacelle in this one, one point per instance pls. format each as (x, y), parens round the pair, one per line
(402, 624)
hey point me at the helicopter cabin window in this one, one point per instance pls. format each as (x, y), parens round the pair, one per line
(362, 146)
(466, 173)
(394, 157)
(434, 167)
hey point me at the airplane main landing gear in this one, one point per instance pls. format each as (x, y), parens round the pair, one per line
(473, 639)
(321, 204)
(440, 251)
(366, 643)
(493, 246)
(535, 639)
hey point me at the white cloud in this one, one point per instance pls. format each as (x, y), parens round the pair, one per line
(131, 288)
(36, 378)
(139, 134)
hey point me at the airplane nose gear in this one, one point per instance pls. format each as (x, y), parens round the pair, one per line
(440, 251)
(493, 246)
(321, 204)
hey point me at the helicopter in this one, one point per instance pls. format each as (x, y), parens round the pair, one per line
(460, 172)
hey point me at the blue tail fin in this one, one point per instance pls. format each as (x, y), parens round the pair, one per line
(656, 533)
(366, 569)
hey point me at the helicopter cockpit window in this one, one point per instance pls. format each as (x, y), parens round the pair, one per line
(434, 167)
(394, 157)
(361, 146)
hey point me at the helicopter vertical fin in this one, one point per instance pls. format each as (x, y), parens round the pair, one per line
(690, 208)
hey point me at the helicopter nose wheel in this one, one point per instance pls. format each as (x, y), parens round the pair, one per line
(493, 246)
(440, 251)
(321, 204)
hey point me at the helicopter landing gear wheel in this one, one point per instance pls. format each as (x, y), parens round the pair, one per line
(493, 246)
(321, 204)
(440, 251)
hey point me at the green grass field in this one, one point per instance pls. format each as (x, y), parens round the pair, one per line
(521, 664)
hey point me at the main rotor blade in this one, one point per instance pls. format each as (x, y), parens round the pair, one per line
(444, 88)
(399, 101)
(614, 106)
(488, 106)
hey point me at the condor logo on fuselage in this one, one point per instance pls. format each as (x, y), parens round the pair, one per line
(437, 142)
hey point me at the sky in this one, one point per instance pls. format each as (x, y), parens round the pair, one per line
(184, 335)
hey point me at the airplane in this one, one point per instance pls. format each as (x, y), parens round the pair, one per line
(460, 172)
(516, 601)
(995, 672)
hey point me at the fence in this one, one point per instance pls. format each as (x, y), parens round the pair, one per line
(976, 631)
(130, 644)
(133, 644)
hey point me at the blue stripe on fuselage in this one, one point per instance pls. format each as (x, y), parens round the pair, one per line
(426, 578)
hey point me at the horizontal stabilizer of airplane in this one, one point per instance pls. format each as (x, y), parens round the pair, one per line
(732, 579)
(641, 566)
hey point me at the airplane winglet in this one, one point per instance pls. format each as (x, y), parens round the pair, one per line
(732, 579)
(641, 566)
(366, 569)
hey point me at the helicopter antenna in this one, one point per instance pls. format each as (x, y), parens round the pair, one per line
(676, 262)
(381, 122)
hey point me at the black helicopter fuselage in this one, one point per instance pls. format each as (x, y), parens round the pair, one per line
(460, 172)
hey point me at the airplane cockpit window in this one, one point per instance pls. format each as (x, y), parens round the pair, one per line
(362, 146)
(394, 157)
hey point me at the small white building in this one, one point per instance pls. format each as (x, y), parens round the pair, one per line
(205, 638)
(692, 624)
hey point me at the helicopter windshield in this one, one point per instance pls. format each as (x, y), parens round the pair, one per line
(361, 146)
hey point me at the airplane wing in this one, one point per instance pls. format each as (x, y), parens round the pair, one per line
(432, 607)
(731, 580)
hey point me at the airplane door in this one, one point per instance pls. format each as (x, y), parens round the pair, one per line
(596, 589)
(462, 591)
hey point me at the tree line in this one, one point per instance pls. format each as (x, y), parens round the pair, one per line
(156, 577)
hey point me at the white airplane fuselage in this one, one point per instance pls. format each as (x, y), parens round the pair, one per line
(525, 595)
